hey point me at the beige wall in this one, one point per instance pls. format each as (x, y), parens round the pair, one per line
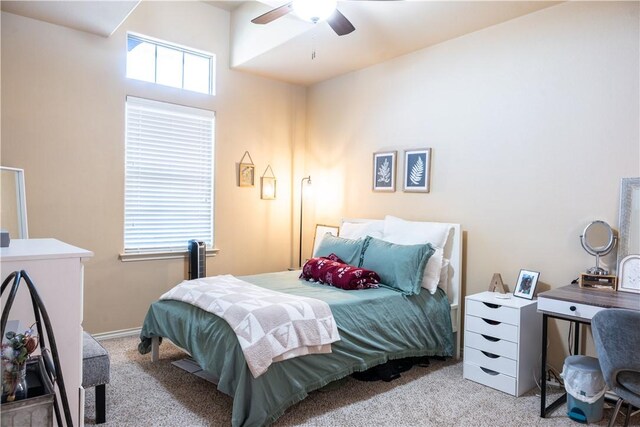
(9, 205)
(63, 99)
(532, 123)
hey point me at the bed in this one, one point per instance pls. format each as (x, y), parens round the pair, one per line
(375, 326)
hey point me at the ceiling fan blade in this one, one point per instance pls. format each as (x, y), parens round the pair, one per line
(340, 24)
(273, 14)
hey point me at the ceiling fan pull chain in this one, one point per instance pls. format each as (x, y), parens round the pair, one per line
(313, 47)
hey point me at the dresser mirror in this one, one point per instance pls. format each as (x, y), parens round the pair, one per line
(13, 206)
(598, 239)
(629, 218)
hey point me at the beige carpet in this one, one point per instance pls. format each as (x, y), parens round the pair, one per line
(160, 394)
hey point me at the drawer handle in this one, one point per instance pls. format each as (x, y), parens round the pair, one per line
(573, 308)
(489, 371)
(491, 322)
(490, 355)
(488, 304)
(492, 339)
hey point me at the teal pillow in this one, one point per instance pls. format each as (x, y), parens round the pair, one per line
(400, 267)
(348, 250)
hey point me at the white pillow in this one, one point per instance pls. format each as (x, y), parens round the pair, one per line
(444, 275)
(357, 230)
(402, 232)
(433, 271)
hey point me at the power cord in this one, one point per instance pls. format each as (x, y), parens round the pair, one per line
(570, 338)
(552, 374)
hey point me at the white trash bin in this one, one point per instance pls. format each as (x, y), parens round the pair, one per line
(585, 388)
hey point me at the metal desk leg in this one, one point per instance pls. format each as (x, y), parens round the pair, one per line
(543, 368)
(544, 410)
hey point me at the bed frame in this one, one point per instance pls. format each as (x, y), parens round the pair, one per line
(453, 252)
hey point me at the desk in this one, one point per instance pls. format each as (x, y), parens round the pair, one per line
(578, 305)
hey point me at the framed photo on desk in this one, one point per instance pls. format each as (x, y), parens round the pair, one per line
(526, 284)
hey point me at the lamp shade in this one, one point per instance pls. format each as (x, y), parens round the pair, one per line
(314, 10)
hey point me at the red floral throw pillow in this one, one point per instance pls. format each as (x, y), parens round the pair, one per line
(332, 271)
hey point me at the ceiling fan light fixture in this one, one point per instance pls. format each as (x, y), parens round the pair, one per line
(314, 10)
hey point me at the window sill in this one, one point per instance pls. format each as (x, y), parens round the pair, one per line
(150, 256)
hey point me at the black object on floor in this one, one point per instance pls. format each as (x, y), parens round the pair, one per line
(391, 370)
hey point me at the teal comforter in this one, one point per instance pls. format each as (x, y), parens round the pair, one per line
(375, 325)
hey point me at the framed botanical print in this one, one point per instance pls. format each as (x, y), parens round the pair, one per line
(246, 171)
(384, 171)
(417, 170)
(246, 175)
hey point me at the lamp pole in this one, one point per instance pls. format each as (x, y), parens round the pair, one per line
(308, 179)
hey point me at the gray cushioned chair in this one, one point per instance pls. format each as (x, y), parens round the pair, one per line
(616, 333)
(96, 372)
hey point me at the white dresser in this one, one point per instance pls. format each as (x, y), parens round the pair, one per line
(57, 272)
(502, 342)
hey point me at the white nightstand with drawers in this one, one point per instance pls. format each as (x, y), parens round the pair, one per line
(502, 342)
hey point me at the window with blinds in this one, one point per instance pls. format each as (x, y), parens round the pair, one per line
(168, 176)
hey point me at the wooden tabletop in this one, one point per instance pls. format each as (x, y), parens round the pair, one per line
(599, 298)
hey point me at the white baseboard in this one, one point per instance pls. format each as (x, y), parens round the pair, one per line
(122, 333)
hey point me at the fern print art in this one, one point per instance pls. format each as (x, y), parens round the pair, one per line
(416, 172)
(384, 171)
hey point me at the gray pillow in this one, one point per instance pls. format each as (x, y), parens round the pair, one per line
(348, 250)
(400, 267)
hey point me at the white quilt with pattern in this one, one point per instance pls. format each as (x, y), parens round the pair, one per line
(271, 326)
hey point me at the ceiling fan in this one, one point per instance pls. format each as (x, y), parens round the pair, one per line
(312, 11)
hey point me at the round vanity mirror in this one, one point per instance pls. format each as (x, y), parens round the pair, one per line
(598, 239)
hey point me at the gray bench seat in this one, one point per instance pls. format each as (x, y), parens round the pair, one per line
(95, 372)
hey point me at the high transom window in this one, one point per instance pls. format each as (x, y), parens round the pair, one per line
(168, 64)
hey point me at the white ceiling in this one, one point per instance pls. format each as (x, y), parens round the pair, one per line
(283, 49)
(384, 30)
(96, 17)
(225, 4)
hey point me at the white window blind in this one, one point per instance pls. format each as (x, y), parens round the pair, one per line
(168, 176)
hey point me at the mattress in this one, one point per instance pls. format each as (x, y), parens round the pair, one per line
(375, 325)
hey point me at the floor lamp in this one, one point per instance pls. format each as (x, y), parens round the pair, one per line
(308, 179)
